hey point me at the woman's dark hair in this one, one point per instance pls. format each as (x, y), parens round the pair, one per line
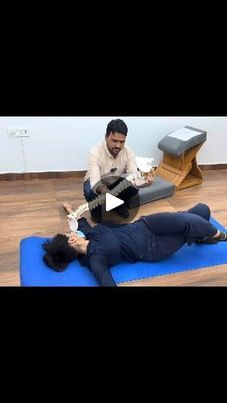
(59, 253)
(117, 126)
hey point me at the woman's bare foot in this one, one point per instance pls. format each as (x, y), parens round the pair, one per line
(68, 208)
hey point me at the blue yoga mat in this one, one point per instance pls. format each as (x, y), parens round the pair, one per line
(33, 271)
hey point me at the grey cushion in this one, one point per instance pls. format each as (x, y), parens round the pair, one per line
(160, 188)
(177, 147)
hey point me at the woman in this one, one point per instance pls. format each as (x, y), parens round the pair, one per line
(151, 238)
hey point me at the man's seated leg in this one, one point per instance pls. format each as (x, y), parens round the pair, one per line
(125, 195)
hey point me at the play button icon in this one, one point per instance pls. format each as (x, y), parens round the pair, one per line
(119, 205)
(112, 202)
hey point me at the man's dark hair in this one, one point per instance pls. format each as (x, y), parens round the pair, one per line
(59, 253)
(117, 126)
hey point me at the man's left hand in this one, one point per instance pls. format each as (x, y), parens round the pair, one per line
(149, 180)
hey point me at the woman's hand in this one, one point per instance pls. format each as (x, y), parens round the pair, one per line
(67, 207)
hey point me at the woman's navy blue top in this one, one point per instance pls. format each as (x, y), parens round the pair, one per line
(131, 242)
(109, 246)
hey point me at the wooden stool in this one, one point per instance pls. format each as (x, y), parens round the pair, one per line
(179, 164)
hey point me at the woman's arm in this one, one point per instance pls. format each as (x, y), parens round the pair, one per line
(84, 226)
(100, 268)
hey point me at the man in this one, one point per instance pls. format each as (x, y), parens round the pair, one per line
(107, 162)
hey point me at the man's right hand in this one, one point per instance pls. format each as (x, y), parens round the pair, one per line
(103, 189)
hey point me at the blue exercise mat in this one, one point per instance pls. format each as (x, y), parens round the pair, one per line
(33, 271)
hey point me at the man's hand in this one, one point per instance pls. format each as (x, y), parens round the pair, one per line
(149, 180)
(103, 189)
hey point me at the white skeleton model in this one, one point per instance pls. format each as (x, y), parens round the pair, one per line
(137, 180)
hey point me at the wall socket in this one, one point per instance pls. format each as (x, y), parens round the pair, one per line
(14, 132)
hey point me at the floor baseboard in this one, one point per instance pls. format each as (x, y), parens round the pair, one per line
(41, 175)
(74, 174)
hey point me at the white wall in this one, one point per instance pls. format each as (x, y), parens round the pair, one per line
(62, 143)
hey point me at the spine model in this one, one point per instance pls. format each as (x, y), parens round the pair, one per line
(137, 180)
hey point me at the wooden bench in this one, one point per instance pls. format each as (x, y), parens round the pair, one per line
(179, 164)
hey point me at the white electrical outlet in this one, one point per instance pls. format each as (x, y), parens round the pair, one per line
(18, 132)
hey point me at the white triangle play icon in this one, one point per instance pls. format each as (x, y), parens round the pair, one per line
(112, 202)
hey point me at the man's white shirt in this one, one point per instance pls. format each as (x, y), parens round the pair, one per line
(102, 164)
